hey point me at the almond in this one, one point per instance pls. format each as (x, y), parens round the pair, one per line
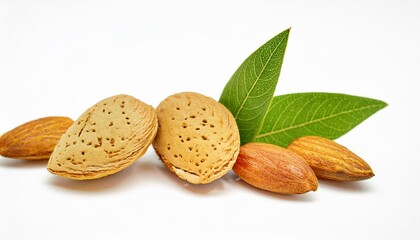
(198, 138)
(105, 139)
(274, 169)
(331, 160)
(34, 140)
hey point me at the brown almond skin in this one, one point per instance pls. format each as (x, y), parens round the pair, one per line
(330, 160)
(34, 140)
(275, 169)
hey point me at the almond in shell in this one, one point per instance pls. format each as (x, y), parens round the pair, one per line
(105, 139)
(198, 139)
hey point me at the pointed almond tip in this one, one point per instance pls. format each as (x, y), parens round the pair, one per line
(313, 184)
(369, 174)
(314, 187)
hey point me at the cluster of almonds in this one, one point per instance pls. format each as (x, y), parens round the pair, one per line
(195, 136)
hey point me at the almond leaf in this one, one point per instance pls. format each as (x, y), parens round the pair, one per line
(249, 92)
(328, 115)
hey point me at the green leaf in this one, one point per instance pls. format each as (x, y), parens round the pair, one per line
(249, 92)
(328, 115)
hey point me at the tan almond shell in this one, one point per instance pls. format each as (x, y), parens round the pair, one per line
(198, 138)
(275, 169)
(330, 160)
(34, 140)
(105, 139)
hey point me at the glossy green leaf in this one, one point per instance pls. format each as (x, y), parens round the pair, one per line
(249, 92)
(328, 115)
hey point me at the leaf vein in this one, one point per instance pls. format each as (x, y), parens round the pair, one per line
(283, 130)
(259, 75)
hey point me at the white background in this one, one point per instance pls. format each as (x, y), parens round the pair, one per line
(61, 57)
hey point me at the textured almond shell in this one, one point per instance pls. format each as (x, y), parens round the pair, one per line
(198, 138)
(34, 140)
(105, 139)
(331, 160)
(274, 169)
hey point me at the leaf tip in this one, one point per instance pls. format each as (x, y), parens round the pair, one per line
(384, 104)
(287, 31)
(381, 104)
